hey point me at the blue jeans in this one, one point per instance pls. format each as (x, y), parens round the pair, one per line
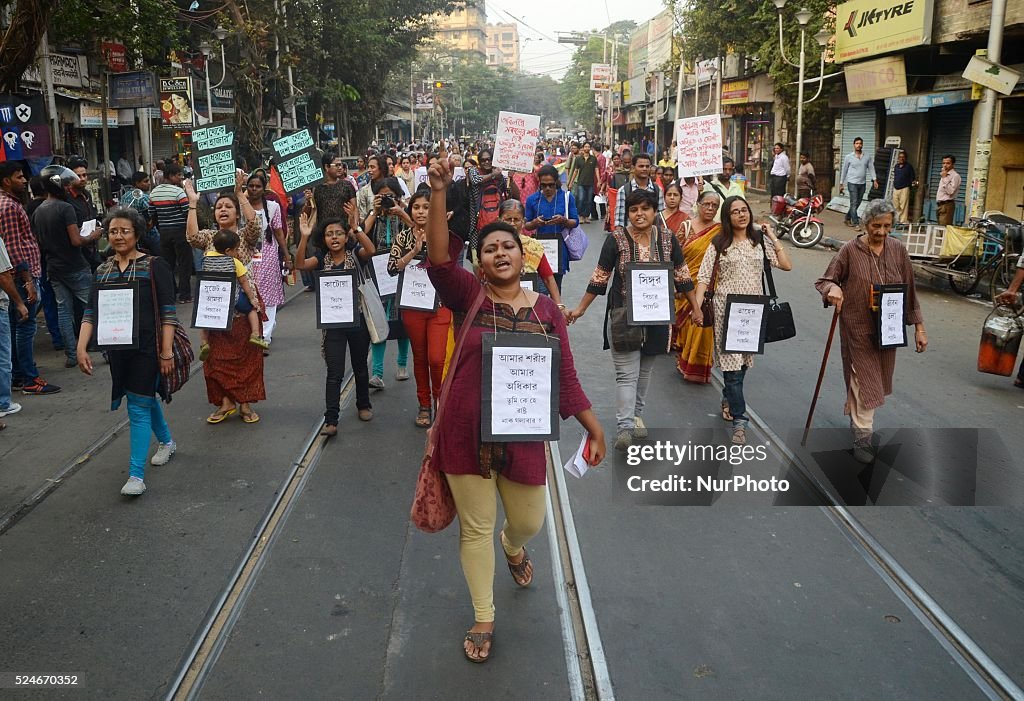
(733, 394)
(856, 195)
(378, 356)
(5, 361)
(69, 289)
(49, 302)
(145, 417)
(584, 195)
(23, 362)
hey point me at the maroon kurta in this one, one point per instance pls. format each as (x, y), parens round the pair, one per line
(855, 269)
(458, 444)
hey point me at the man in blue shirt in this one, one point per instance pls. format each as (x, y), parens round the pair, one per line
(858, 167)
(902, 180)
(546, 214)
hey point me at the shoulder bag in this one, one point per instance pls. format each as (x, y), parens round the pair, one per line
(576, 240)
(780, 324)
(707, 306)
(181, 346)
(372, 307)
(433, 507)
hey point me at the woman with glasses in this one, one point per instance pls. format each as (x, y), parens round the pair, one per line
(736, 261)
(695, 344)
(546, 214)
(534, 259)
(137, 374)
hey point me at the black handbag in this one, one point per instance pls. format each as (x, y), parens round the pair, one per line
(780, 324)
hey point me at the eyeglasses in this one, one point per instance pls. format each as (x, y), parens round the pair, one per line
(120, 232)
(336, 165)
(547, 186)
(709, 205)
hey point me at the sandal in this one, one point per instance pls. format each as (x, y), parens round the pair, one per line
(329, 430)
(423, 417)
(250, 417)
(522, 573)
(726, 414)
(479, 640)
(219, 415)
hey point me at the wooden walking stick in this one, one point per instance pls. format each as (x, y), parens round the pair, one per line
(821, 376)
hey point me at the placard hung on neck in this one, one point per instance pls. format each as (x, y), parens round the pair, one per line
(743, 330)
(415, 291)
(553, 250)
(336, 299)
(117, 316)
(649, 294)
(529, 281)
(387, 284)
(215, 301)
(519, 387)
(892, 324)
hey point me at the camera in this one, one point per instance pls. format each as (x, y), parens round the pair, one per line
(387, 202)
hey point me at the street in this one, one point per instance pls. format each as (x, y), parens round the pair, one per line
(265, 561)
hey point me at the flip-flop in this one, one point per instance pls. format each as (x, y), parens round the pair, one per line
(218, 416)
(519, 571)
(479, 640)
(250, 417)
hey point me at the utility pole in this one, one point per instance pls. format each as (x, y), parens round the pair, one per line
(986, 115)
(412, 106)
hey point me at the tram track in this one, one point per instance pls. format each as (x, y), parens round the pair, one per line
(991, 679)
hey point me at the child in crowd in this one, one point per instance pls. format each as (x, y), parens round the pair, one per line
(225, 260)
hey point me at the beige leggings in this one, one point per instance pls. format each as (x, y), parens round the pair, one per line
(477, 507)
(860, 417)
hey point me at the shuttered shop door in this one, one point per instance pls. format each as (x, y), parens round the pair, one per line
(949, 133)
(860, 123)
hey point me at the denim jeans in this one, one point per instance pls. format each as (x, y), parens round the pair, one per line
(5, 361)
(23, 361)
(145, 417)
(632, 378)
(584, 195)
(49, 302)
(733, 394)
(70, 289)
(856, 195)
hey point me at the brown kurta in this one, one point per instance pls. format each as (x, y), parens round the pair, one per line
(855, 269)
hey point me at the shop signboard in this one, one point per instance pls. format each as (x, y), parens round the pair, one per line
(600, 76)
(132, 90)
(634, 90)
(24, 132)
(925, 102)
(736, 92)
(91, 116)
(176, 103)
(875, 80)
(638, 41)
(871, 27)
(69, 71)
(992, 75)
(116, 55)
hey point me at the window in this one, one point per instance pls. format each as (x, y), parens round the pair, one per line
(456, 35)
(506, 36)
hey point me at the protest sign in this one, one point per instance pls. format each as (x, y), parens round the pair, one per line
(649, 294)
(892, 325)
(516, 141)
(215, 301)
(699, 145)
(297, 161)
(214, 157)
(745, 323)
(519, 387)
(386, 283)
(553, 249)
(528, 281)
(415, 291)
(293, 143)
(336, 299)
(117, 316)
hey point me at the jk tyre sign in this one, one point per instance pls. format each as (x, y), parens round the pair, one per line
(872, 27)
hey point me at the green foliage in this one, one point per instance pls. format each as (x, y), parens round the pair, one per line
(577, 97)
(147, 28)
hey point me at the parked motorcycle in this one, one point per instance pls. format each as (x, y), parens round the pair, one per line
(797, 218)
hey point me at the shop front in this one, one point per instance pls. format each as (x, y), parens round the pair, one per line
(748, 127)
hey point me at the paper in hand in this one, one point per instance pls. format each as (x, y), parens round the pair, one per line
(577, 467)
(87, 228)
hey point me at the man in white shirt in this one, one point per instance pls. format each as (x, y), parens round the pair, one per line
(780, 171)
(949, 187)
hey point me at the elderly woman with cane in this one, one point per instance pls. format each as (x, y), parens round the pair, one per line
(478, 471)
(853, 283)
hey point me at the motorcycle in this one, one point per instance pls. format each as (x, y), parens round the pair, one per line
(797, 218)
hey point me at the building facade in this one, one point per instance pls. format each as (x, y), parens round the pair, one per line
(503, 46)
(463, 30)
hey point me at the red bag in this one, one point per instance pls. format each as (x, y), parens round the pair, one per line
(433, 507)
(489, 204)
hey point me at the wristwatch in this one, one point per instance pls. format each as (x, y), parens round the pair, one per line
(359, 230)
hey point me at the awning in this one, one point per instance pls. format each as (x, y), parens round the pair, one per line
(923, 102)
(394, 118)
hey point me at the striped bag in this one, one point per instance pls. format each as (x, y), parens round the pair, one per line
(181, 348)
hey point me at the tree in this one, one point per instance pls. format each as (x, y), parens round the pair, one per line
(577, 97)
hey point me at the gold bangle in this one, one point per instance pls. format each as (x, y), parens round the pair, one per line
(169, 357)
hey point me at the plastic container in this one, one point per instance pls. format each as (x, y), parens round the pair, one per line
(1000, 341)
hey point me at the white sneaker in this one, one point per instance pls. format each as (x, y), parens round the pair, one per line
(14, 408)
(163, 453)
(376, 382)
(402, 374)
(133, 487)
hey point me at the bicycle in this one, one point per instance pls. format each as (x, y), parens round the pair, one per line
(993, 253)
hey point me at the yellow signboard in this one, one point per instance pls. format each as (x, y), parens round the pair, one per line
(875, 80)
(736, 92)
(871, 27)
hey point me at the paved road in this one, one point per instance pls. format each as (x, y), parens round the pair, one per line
(751, 597)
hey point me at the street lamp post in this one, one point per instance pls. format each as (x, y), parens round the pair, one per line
(207, 50)
(803, 16)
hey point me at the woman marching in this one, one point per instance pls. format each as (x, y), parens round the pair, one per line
(871, 259)
(138, 374)
(477, 472)
(428, 331)
(341, 244)
(734, 265)
(234, 367)
(273, 251)
(534, 259)
(383, 223)
(673, 215)
(634, 353)
(693, 343)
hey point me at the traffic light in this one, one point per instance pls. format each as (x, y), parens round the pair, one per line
(438, 84)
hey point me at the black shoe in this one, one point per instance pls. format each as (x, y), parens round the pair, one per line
(17, 385)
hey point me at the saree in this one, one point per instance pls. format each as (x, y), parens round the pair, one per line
(694, 345)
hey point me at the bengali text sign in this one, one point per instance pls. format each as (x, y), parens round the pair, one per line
(520, 387)
(215, 301)
(516, 142)
(699, 145)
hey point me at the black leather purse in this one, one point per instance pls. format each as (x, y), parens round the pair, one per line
(780, 324)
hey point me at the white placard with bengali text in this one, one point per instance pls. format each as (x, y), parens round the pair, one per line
(416, 291)
(520, 387)
(215, 304)
(892, 329)
(115, 318)
(744, 327)
(699, 145)
(552, 246)
(387, 284)
(651, 300)
(336, 306)
(516, 141)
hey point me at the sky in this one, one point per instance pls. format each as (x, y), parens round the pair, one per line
(540, 20)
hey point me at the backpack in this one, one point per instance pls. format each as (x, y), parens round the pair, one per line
(458, 205)
(488, 203)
